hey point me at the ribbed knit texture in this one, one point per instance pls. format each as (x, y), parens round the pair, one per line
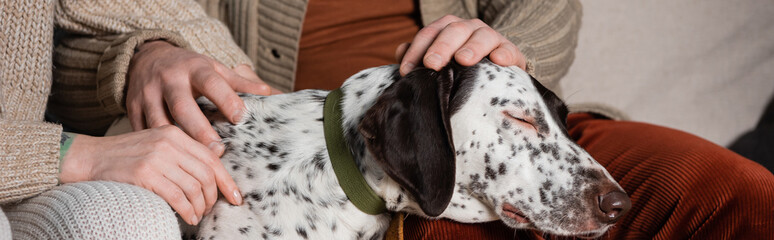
(29, 159)
(74, 91)
(25, 59)
(279, 35)
(77, 60)
(546, 32)
(187, 18)
(681, 187)
(29, 148)
(90, 77)
(94, 210)
(5, 227)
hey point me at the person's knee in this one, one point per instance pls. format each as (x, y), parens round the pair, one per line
(736, 202)
(714, 174)
(94, 210)
(737, 180)
(677, 180)
(620, 141)
(5, 227)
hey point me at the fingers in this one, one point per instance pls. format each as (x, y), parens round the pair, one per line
(507, 54)
(213, 86)
(204, 167)
(467, 41)
(401, 51)
(209, 171)
(190, 187)
(481, 43)
(226, 184)
(136, 118)
(176, 198)
(197, 173)
(422, 42)
(206, 178)
(243, 79)
(155, 114)
(222, 178)
(187, 114)
(449, 40)
(275, 91)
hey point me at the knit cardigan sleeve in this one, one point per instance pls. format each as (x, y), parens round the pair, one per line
(29, 148)
(546, 32)
(114, 29)
(29, 158)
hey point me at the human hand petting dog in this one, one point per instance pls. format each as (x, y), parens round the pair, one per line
(466, 40)
(165, 80)
(184, 172)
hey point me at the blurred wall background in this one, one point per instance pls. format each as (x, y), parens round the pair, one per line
(705, 67)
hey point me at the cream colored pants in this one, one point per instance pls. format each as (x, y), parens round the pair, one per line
(92, 210)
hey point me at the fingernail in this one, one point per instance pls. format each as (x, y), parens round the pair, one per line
(465, 54)
(434, 60)
(216, 147)
(238, 197)
(237, 116)
(194, 220)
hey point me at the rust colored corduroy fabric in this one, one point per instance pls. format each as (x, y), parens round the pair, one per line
(681, 187)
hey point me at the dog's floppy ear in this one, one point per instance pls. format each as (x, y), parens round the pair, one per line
(408, 132)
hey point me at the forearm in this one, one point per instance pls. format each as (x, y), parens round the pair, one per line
(29, 159)
(546, 32)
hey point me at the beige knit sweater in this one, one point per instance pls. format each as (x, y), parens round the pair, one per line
(91, 75)
(91, 61)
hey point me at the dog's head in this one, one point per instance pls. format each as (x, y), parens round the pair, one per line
(488, 142)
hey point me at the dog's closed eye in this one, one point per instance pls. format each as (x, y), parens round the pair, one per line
(520, 119)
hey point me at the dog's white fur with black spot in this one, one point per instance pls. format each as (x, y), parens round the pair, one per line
(471, 144)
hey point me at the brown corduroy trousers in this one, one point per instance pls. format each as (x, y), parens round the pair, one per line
(681, 187)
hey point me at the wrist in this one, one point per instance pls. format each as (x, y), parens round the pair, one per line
(74, 163)
(64, 145)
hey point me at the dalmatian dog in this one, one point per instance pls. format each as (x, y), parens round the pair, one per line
(470, 144)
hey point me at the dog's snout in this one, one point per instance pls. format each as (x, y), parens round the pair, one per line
(613, 205)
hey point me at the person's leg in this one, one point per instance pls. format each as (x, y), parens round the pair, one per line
(93, 210)
(5, 227)
(681, 186)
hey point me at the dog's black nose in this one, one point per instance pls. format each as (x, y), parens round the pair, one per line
(613, 205)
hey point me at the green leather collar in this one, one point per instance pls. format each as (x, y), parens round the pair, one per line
(350, 179)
